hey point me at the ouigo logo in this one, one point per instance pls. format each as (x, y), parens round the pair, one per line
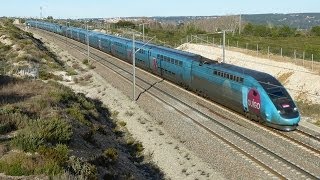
(254, 101)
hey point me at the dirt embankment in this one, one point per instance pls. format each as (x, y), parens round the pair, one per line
(46, 129)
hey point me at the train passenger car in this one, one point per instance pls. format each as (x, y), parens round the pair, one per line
(142, 54)
(95, 39)
(257, 95)
(119, 48)
(173, 65)
(105, 43)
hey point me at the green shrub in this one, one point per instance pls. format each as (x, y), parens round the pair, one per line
(82, 169)
(49, 168)
(76, 113)
(87, 104)
(13, 116)
(43, 74)
(41, 132)
(6, 127)
(122, 123)
(63, 95)
(98, 128)
(53, 130)
(27, 141)
(111, 153)
(315, 30)
(85, 61)
(71, 72)
(13, 165)
(19, 164)
(59, 154)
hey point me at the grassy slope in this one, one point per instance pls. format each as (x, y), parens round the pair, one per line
(65, 134)
(309, 44)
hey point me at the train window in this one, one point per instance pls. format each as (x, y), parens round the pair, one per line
(225, 75)
(241, 80)
(231, 77)
(215, 72)
(176, 62)
(161, 57)
(180, 63)
(172, 61)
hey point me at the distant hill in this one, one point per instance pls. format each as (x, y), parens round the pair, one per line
(297, 20)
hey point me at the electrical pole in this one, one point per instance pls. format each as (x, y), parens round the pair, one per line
(40, 12)
(88, 44)
(134, 68)
(66, 34)
(240, 24)
(143, 32)
(224, 47)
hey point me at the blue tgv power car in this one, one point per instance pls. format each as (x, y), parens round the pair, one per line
(257, 95)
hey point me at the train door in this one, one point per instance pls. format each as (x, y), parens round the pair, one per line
(154, 63)
(245, 91)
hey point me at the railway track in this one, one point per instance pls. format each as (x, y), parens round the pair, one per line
(286, 135)
(263, 161)
(309, 134)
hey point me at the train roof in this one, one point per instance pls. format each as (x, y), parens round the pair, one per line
(266, 80)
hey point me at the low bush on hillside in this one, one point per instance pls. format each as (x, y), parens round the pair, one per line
(308, 109)
(39, 111)
(28, 50)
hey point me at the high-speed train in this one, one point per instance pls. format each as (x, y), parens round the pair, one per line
(257, 95)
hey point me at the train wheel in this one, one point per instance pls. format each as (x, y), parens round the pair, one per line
(261, 121)
(247, 115)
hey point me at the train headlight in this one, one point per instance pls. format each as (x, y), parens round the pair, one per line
(295, 109)
(281, 111)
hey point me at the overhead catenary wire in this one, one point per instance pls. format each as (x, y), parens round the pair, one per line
(311, 94)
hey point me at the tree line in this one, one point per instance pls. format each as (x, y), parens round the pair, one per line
(277, 31)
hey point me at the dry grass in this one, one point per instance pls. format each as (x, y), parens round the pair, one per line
(283, 78)
(315, 66)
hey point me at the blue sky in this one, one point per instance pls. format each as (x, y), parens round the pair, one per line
(125, 8)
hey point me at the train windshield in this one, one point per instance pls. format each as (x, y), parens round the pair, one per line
(276, 93)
